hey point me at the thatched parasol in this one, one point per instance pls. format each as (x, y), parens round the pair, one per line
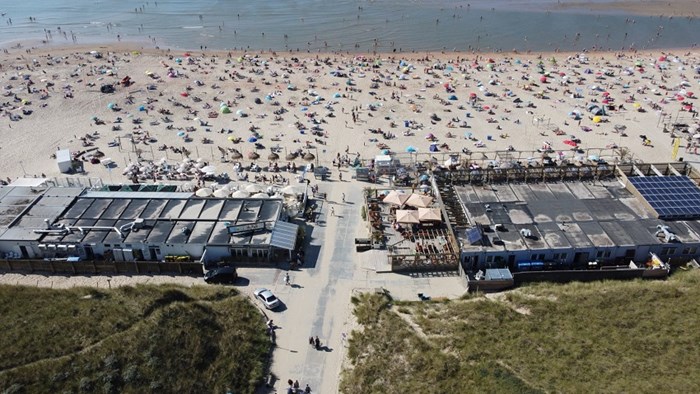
(253, 156)
(236, 155)
(291, 156)
(273, 156)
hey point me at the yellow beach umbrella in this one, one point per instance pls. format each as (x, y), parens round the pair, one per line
(597, 119)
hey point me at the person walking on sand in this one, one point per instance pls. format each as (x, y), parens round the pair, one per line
(332, 211)
(343, 197)
(317, 343)
(307, 390)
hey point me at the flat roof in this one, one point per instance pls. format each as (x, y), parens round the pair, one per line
(562, 215)
(168, 217)
(25, 208)
(173, 218)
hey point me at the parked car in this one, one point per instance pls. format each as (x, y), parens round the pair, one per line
(266, 297)
(221, 275)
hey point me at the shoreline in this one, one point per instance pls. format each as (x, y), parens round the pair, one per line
(129, 46)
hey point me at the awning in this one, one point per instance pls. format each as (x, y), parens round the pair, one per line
(284, 235)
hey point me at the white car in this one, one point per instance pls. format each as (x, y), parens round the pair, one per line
(267, 298)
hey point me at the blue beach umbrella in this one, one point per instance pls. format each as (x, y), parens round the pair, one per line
(411, 149)
(181, 134)
(252, 139)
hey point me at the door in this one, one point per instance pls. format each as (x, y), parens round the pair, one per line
(89, 253)
(154, 253)
(23, 251)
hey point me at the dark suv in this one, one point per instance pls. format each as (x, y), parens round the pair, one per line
(221, 275)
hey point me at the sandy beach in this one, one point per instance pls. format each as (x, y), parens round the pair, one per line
(334, 106)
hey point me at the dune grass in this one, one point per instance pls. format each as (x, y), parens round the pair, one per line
(636, 336)
(130, 339)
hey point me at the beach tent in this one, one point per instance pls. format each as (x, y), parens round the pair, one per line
(225, 110)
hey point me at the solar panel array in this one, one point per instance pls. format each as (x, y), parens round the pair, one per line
(672, 197)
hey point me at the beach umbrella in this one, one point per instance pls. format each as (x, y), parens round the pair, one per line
(225, 110)
(204, 192)
(385, 151)
(110, 105)
(181, 134)
(236, 155)
(696, 136)
(253, 156)
(241, 113)
(221, 193)
(273, 156)
(411, 149)
(407, 216)
(254, 188)
(423, 178)
(240, 194)
(208, 169)
(396, 197)
(289, 190)
(429, 215)
(418, 200)
(597, 119)
(291, 156)
(309, 156)
(184, 94)
(637, 105)
(252, 139)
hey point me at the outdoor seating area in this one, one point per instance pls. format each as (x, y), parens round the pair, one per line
(411, 226)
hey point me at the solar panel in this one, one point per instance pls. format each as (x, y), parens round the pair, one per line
(672, 197)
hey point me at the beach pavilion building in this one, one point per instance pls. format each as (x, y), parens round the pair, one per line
(72, 229)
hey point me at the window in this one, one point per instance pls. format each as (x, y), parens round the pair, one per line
(555, 256)
(668, 251)
(689, 250)
(599, 254)
(489, 259)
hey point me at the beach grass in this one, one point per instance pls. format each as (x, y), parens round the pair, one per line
(636, 336)
(130, 339)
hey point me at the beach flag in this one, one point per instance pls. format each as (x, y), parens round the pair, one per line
(676, 146)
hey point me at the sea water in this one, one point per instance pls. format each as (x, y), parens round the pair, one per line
(347, 25)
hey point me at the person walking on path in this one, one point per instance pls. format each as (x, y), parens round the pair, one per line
(343, 197)
(287, 281)
(332, 211)
(307, 390)
(317, 342)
